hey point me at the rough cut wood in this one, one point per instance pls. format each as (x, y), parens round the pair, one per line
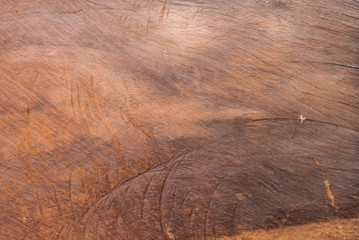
(177, 119)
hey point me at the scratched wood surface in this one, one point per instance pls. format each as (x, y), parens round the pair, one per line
(178, 119)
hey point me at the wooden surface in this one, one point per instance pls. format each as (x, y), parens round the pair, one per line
(332, 230)
(177, 119)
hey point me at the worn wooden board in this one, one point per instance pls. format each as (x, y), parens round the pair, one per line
(177, 119)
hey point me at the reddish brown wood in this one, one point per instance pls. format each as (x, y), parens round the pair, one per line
(176, 119)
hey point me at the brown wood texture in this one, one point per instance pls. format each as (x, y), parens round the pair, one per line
(178, 119)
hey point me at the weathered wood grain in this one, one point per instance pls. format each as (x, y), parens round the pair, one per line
(177, 119)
